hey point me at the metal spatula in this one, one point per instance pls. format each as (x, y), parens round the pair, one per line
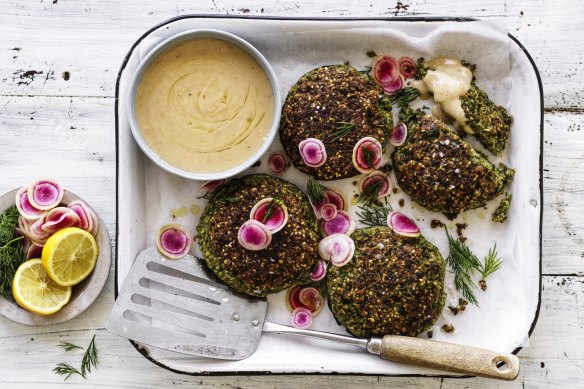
(176, 306)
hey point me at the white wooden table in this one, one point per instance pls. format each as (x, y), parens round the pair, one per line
(58, 65)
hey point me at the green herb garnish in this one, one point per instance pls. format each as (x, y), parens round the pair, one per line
(403, 97)
(315, 190)
(342, 129)
(370, 194)
(492, 264)
(90, 359)
(365, 71)
(374, 215)
(368, 156)
(463, 263)
(272, 207)
(69, 346)
(11, 251)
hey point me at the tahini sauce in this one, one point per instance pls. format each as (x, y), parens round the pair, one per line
(448, 80)
(205, 106)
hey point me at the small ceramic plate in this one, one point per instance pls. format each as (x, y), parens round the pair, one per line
(83, 295)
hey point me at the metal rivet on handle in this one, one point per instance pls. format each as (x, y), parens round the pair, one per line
(255, 323)
(235, 317)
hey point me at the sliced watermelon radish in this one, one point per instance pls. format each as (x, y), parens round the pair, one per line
(292, 298)
(367, 155)
(407, 67)
(328, 211)
(337, 199)
(86, 219)
(59, 218)
(34, 251)
(173, 241)
(301, 317)
(319, 271)
(399, 134)
(210, 186)
(25, 208)
(343, 223)
(45, 194)
(313, 152)
(384, 70)
(254, 235)
(393, 86)
(378, 181)
(277, 162)
(336, 248)
(270, 212)
(403, 225)
(311, 298)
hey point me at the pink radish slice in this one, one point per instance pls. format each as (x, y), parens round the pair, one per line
(384, 69)
(343, 223)
(337, 248)
(34, 251)
(254, 235)
(25, 208)
(317, 207)
(376, 178)
(59, 218)
(407, 67)
(313, 152)
(279, 214)
(95, 222)
(399, 134)
(336, 198)
(277, 162)
(389, 215)
(310, 297)
(36, 232)
(328, 211)
(173, 241)
(210, 186)
(367, 154)
(393, 86)
(45, 194)
(301, 317)
(319, 271)
(403, 225)
(292, 299)
(81, 209)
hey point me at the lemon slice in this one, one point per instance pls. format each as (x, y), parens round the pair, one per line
(35, 291)
(70, 255)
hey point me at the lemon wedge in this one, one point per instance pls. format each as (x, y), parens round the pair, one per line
(69, 256)
(35, 291)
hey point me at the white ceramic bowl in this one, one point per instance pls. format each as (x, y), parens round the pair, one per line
(173, 41)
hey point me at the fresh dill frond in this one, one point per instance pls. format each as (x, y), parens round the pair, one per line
(370, 194)
(404, 96)
(342, 129)
(11, 251)
(365, 71)
(491, 265)
(66, 370)
(69, 346)
(463, 263)
(90, 358)
(374, 215)
(315, 190)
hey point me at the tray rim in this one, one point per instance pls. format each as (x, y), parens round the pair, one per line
(430, 19)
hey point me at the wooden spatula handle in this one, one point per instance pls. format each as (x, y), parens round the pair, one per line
(451, 357)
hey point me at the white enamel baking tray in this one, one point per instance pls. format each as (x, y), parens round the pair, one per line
(275, 37)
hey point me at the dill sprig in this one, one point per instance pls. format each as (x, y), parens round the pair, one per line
(315, 190)
(69, 346)
(368, 156)
(11, 251)
(374, 215)
(90, 358)
(463, 263)
(370, 194)
(342, 129)
(404, 96)
(492, 264)
(66, 370)
(272, 207)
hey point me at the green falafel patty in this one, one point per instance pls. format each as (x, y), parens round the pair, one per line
(394, 285)
(292, 252)
(326, 100)
(442, 172)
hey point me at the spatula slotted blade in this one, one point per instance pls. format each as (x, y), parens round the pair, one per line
(172, 304)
